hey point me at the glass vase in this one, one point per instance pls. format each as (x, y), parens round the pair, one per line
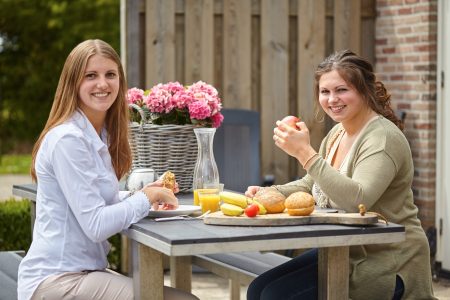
(206, 174)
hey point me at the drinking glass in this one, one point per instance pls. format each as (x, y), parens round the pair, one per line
(209, 200)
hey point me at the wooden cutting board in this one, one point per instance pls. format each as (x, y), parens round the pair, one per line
(283, 219)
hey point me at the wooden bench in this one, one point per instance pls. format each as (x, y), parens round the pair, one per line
(9, 265)
(240, 268)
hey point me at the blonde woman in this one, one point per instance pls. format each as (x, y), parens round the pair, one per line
(77, 161)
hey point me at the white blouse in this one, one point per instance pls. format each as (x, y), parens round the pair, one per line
(77, 205)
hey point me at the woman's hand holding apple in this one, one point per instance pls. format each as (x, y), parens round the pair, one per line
(292, 136)
(291, 121)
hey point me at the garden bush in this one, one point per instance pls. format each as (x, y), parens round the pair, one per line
(15, 225)
(15, 230)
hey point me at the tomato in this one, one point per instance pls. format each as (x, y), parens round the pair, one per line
(291, 121)
(252, 210)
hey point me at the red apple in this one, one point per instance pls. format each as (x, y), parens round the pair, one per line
(291, 121)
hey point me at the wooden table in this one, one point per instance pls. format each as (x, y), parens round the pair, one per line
(183, 238)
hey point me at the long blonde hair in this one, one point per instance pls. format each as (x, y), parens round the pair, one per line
(66, 101)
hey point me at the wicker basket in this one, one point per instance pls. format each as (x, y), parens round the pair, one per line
(165, 148)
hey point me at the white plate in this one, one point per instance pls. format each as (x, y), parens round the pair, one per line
(181, 210)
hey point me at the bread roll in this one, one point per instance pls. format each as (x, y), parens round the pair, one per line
(271, 199)
(299, 204)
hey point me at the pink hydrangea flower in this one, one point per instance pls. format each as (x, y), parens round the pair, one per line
(181, 99)
(199, 110)
(160, 99)
(135, 96)
(201, 91)
(217, 120)
(200, 100)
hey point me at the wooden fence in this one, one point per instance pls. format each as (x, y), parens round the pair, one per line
(259, 54)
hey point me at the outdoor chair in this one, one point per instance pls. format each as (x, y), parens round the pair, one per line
(236, 149)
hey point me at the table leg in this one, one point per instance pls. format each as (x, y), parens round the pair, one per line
(181, 272)
(124, 255)
(148, 276)
(333, 273)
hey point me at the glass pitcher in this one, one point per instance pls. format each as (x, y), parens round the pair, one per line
(206, 174)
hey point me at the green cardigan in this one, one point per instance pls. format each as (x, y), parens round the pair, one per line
(380, 172)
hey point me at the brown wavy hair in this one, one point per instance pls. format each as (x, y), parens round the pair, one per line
(66, 101)
(358, 72)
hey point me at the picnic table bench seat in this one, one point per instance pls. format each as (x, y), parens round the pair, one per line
(9, 265)
(239, 267)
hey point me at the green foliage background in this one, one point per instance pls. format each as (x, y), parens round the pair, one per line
(35, 38)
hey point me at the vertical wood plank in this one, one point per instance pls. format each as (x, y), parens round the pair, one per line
(133, 49)
(218, 53)
(181, 272)
(237, 54)
(274, 83)
(295, 168)
(180, 47)
(311, 51)
(207, 43)
(159, 41)
(333, 273)
(347, 25)
(199, 29)
(256, 62)
(368, 39)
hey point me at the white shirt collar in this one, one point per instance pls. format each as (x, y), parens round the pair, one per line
(81, 121)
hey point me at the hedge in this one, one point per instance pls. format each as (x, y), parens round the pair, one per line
(15, 225)
(15, 230)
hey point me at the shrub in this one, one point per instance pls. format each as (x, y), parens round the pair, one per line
(15, 225)
(114, 254)
(15, 230)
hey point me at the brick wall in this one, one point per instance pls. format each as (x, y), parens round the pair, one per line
(406, 57)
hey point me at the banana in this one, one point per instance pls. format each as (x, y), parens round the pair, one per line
(262, 209)
(234, 198)
(231, 210)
